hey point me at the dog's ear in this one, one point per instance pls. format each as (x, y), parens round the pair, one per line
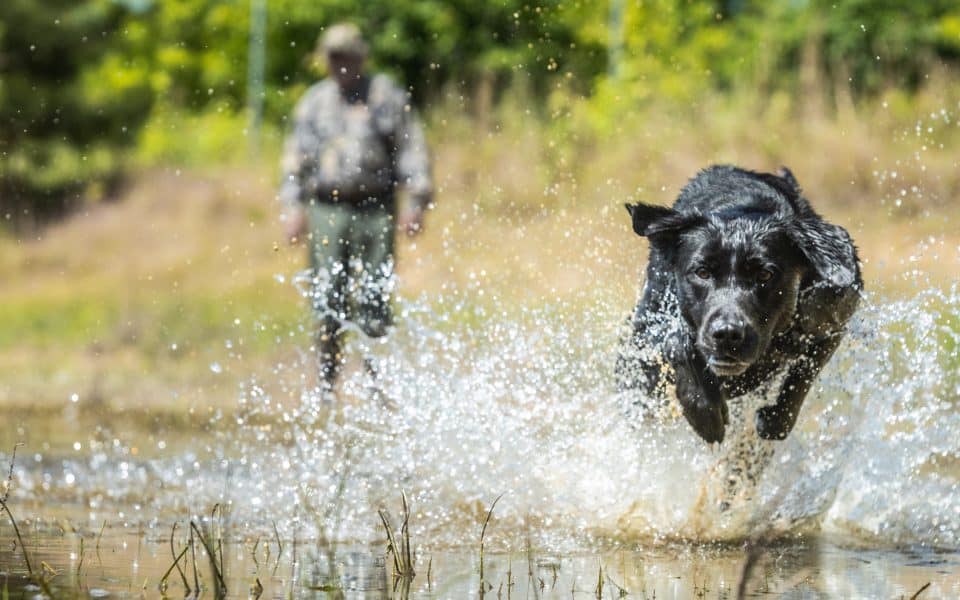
(644, 215)
(827, 249)
(787, 175)
(784, 182)
(659, 223)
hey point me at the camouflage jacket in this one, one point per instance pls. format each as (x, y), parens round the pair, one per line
(355, 150)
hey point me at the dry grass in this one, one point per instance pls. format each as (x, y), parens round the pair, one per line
(544, 223)
(129, 303)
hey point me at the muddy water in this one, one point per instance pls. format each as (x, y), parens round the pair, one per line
(130, 559)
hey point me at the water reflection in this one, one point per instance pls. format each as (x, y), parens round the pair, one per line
(128, 563)
(345, 574)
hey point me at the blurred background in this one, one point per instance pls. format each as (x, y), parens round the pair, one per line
(141, 259)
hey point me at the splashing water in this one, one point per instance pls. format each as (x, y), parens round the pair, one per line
(524, 406)
(471, 403)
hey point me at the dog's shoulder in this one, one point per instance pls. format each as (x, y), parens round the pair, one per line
(726, 187)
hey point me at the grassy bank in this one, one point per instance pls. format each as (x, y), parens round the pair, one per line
(141, 301)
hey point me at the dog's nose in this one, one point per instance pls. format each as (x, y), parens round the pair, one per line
(727, 333)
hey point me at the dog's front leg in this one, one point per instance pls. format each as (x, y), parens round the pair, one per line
(775, 422)
(699, 394)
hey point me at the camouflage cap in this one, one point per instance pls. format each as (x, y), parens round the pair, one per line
(342, 37)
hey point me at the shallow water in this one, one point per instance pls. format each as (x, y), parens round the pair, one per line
(861, 501)
(131, 559)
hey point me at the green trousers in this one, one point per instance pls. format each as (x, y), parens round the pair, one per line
(351, 257)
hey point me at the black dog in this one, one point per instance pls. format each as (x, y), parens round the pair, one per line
(744, 281)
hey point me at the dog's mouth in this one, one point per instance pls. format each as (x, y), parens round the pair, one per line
(727, 366)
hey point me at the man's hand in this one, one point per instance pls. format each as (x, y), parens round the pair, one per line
(295, 224)
(411, 220)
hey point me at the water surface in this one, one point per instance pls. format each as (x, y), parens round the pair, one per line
(861, 501)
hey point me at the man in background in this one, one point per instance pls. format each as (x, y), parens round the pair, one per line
(355, 141)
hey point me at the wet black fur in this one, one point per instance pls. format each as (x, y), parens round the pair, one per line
(760, 282)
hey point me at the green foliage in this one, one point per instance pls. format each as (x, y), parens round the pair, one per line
(196, 57)
(215, 135)
(80, 77)
(435, 44)
(682, 51)
(886, 42)
(69, 101)
(195, 51)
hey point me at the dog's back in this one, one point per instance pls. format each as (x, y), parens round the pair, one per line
(728, 188)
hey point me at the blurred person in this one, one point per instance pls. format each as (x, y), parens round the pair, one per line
(355, 141)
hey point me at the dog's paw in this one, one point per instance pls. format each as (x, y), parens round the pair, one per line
(708, 420)
(773, 423)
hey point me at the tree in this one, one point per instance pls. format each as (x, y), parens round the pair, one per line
(71, 100)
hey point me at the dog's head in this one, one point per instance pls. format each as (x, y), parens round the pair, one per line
(738, 274)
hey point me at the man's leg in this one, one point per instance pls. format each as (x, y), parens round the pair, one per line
(329, 254)
(372, 242)
(372, 262)
(329, 351)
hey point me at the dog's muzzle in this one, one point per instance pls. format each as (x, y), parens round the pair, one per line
(729, 345)
(726, 367)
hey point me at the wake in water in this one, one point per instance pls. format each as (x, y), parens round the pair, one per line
(525, 407)
(481, 403)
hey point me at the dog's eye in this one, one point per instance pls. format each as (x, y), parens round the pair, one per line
(764, 276)
(702, 273)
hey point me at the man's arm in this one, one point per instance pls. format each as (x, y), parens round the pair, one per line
(413, 169)
(294, 166)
